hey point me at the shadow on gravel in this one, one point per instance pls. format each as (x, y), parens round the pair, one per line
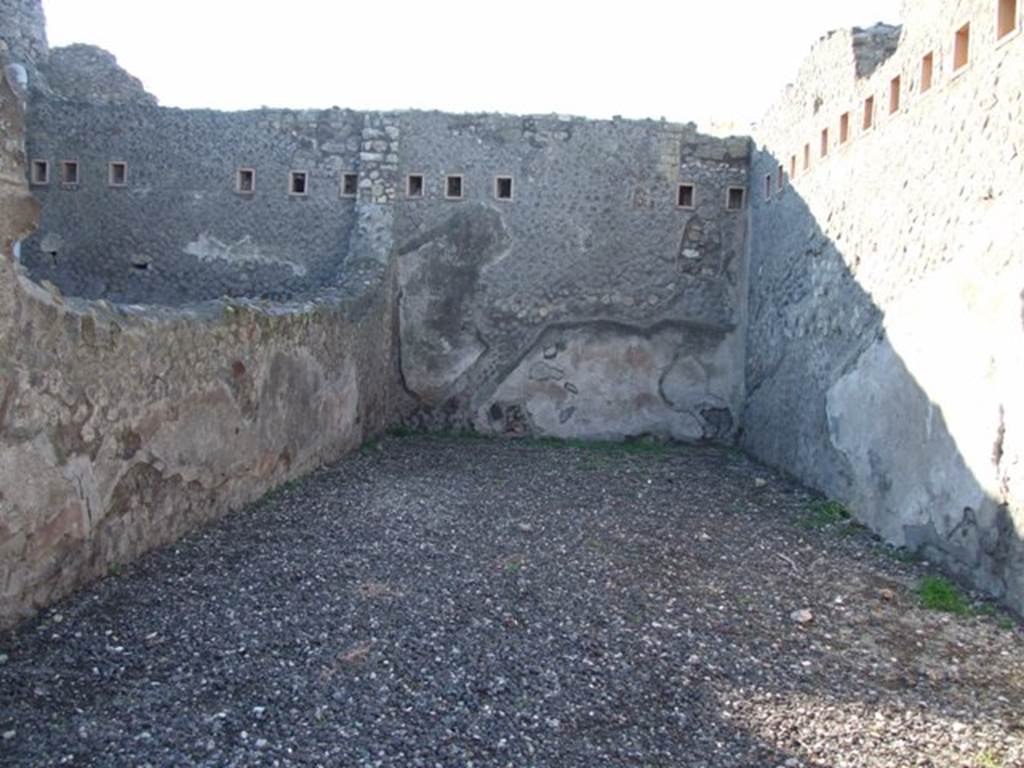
(498, 603)
(897, 412)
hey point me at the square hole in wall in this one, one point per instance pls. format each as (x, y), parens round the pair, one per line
(117, 174)
(349, 184)
(962, 47)
(40, 172)
(869, 113)
(414, 185)
(245, 181)
(807, 156)
(781, 181)
(792, 167)
(1006, 22)
(824, 142)
(735, 198)
(298, 183)
(844, 127)
(503, 187)
(686, 195)
(927, 72)
(768, 186)
(69, 173)
(453, 187)
(894, 95)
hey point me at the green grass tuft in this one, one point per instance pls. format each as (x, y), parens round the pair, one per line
(940, 594)
(988, 759)
(1007, 623)
(823, 513)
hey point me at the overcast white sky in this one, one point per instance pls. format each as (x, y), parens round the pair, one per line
(640, 58)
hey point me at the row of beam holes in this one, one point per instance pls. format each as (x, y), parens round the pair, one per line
(455, 187)
(298, 183)
(686, 197)
(415, 185)
(1007, 24)
(70, 173)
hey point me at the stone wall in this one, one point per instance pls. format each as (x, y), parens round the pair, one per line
(23, 29)
(588, 305)
(879, 322)
(121, 428)
(887, 280)
(640, 298)
(85, 73)
(179, 230)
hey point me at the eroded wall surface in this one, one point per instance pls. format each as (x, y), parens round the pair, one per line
(179, 229)
(121, 428)
(590, 304)
(23, 30)
(885, 359)
(591, 268)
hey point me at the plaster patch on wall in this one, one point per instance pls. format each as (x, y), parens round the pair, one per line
(209, 249)
(609, 381)
(439, 277)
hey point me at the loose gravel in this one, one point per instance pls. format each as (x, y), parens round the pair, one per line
(456, 602)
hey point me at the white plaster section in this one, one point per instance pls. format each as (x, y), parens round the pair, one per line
(609, 383)
(208, 249)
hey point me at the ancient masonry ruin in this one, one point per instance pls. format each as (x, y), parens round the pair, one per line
(198, 306)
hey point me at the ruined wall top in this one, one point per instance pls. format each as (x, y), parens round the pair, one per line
(23, 28)
(90, 74)
(872, 46)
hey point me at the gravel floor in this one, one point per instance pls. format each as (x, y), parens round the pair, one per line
(456, 602)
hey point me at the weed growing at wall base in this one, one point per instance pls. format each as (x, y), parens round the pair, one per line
(939, 594)
(824, 513)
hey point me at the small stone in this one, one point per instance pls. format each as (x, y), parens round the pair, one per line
(760, 482)
(886, 594)
(525, 527)
(261, 743)
(3, 658)
(803, 616)
(8, 735)
(694, 659)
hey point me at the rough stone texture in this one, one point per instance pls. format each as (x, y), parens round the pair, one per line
(85, 73)
(179, 231)
(593, 235)
(23, 29)
(873, 46)
(882, 355)
(121, 428)
(884, 346)
(592, 256)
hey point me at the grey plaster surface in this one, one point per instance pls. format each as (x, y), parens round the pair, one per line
(884, 343)
(179, 231)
